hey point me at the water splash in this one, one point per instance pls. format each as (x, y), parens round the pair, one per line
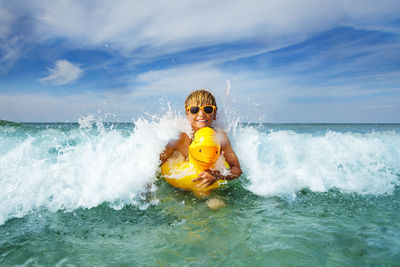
(284, 162)
(72, 166)
(230, 120)
(83, 166)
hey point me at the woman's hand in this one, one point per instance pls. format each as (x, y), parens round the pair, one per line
(207, 178)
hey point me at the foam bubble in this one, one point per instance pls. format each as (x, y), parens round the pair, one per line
(82, 167)
(284, 162)
(65, 169)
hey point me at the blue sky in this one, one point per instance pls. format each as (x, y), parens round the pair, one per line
(284, 61)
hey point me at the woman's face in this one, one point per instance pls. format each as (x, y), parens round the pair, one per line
(201, 119)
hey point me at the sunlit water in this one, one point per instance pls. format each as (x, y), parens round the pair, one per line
(88, 193)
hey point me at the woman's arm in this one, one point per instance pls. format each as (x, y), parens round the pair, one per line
(231, 159)
(209, 177)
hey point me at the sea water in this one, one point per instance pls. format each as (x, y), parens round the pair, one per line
(89, 193)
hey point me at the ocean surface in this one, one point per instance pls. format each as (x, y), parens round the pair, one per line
(89, 194)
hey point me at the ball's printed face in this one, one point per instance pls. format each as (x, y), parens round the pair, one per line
(205, 147)
(205, 154)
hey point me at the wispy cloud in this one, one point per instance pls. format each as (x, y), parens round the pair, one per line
(288, 57)
(6, 18)
(9, 45)
(132, 24)
(152, 28)
(157, 29)
(62, 72)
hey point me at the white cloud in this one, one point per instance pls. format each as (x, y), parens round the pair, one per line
(161, 27)
(263, 95)
(158, 28)
(6, 19)
(258, 95)
(62, 72)
(273, 104)
(36, 107)
(9, 45)
(155, 29)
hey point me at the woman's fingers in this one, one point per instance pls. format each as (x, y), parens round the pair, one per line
(207, 178)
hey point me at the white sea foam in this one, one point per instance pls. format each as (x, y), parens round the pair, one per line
(283, 162)
(86, 166)
(82, 167)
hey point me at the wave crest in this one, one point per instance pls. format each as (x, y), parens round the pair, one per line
(284, 162)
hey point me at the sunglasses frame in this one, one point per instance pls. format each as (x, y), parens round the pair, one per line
(202, 108)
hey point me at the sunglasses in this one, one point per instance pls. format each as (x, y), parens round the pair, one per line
(207, 109)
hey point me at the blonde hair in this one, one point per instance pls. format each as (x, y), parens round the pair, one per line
(200, 97)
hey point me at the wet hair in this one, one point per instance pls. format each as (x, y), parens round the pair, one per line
(200, 97)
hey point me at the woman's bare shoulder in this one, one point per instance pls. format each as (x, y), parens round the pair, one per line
(222, 137)
(183, 137)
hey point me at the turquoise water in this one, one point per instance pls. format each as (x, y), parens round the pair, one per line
(88, 193)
